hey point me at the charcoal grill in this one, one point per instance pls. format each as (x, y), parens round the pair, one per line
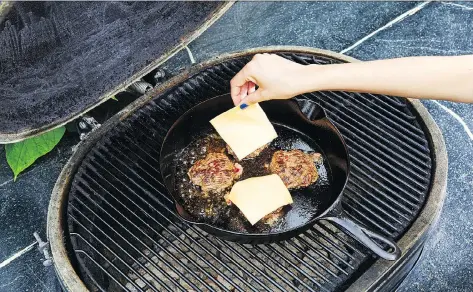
(111, 225)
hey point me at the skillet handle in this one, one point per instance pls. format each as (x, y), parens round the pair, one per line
(311, 110)
(366, 236)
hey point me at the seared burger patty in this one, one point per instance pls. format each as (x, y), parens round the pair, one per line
(272, 217)
(214, 173)
(269, 219)
(250, 156)
(295, 168)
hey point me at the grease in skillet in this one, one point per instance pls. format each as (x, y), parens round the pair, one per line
(212, 208)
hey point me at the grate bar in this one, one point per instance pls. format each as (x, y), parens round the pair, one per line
(393, 109)
(216, 88)
(384, 187)
(364, 146)
(358, 181)
(114, 242)
(380, 142)
(318, 242)
(147, 247)
(116, 256)
(389, 181)
(363, 131)
(346, 131)
(169, 254)
(142, 151)
(398, 176)
(324, 257)
(401, 125)
(351, 193)
(137, 156)
(400, 132)
(240, 63)
(144, 141)
(232, 71)
(395, 102)
(370, 212)
(162, 237)
(297, 59)
(324, 227)
(213, 79)
(111, 264)
(79, 251)
(296, 246)
(263, 262)
(132, 171)
(249, 263)
(294, 255)
(367, 220)
(147, 129)
(347, 112)
(164, 227)
(299, 270)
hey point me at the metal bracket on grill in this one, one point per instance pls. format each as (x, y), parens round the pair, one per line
(43, 248)
(160, 76)
(86, 126)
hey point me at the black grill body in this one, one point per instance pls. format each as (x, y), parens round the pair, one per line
(122, 233)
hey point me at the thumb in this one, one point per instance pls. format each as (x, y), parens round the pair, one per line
(253, 98)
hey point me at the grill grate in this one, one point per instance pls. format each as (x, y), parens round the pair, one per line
(125, 235)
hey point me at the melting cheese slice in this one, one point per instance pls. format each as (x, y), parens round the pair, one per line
(244, 130)
(256, 197)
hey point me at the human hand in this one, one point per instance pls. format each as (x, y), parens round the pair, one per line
(276, 77)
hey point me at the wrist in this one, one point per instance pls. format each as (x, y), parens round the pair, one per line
(314, 78)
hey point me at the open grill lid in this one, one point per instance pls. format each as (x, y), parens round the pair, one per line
(60, 59)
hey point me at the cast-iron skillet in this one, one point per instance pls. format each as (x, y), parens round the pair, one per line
(306, 120)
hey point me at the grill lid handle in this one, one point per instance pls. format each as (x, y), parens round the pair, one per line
(366, 237)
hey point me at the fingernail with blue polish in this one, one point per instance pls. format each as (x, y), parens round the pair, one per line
(243, 105)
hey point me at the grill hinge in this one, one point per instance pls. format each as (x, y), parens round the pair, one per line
(86, 126)
(140, 87)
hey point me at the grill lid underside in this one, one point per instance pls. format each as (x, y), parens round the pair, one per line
(123, 234)
(59, 59)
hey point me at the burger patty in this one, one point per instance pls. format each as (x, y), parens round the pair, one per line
(214, 173)
(295, 168)
(272, 217)
(269, 219)
(250, 156)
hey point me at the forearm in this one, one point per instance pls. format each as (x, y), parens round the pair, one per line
(448, 78)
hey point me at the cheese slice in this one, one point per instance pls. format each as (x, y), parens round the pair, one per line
(256, 197)
(244, 130)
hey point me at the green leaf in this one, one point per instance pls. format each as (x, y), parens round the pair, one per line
(114, 98)
(23, 154)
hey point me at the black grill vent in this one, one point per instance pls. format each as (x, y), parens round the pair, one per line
(125, 236)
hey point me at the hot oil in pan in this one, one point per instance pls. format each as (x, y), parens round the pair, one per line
(212, 208)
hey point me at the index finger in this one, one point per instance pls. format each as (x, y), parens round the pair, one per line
(236, 83)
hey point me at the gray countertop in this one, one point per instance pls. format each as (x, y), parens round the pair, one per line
(439, 28)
